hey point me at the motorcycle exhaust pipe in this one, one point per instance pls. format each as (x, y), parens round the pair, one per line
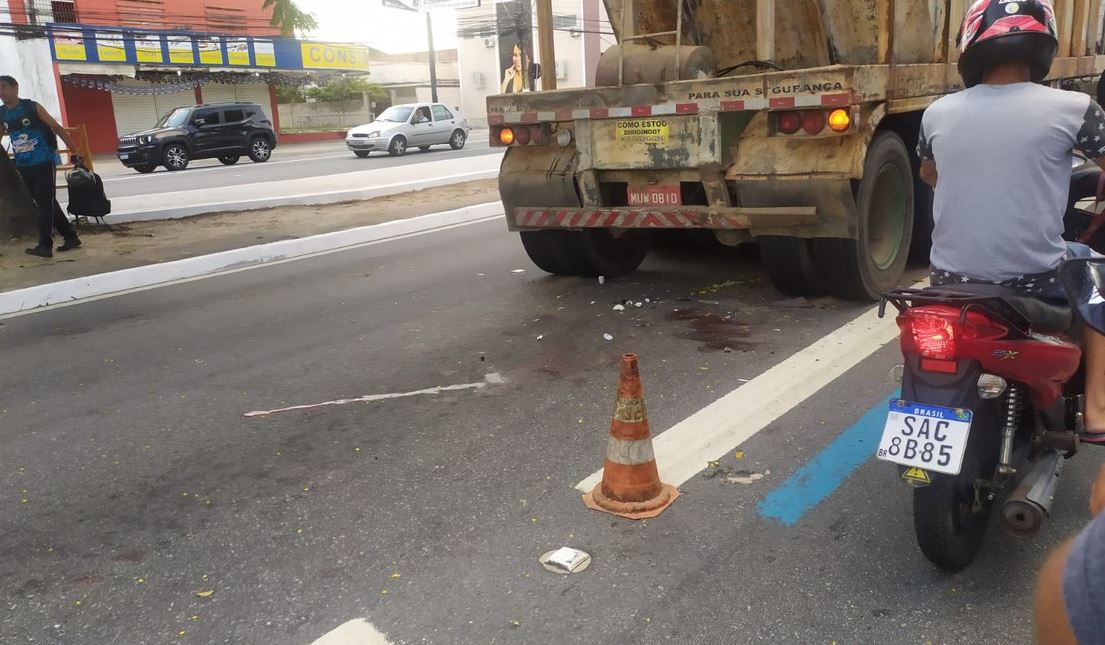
(1023, 514)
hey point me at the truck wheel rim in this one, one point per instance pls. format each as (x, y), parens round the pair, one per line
(886, 217)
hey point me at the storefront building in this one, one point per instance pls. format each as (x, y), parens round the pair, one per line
(118, 81)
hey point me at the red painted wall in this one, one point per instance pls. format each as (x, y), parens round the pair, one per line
(93, 108)
(176, 14)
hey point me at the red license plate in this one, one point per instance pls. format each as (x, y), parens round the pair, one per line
(654, 196)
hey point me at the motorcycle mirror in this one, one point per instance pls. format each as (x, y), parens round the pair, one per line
(1083, 280)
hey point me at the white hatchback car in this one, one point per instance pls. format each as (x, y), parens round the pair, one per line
(413, 125)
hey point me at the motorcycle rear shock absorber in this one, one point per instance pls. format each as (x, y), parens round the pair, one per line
(1014, 399)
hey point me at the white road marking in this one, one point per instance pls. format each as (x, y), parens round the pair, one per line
(368, 398)
(30, 300)
(684, 450)
(355, 632)
(194, 171)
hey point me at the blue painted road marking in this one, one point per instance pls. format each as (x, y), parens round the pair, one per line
(823, 474)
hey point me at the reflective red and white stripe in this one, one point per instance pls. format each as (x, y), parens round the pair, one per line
(668, 109)
(605, 218)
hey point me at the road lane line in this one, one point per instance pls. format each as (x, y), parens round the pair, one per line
(684, 450)
(819, 478)
(355, 632)
(195, 171)
(368, 398)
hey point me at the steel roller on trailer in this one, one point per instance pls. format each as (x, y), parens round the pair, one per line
(792, 124)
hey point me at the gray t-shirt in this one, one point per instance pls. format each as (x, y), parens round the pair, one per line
(1003, 154)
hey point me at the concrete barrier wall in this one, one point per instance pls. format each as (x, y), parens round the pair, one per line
(323, 116)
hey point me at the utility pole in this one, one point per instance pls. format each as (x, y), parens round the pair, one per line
(545, 41)
(433, 57)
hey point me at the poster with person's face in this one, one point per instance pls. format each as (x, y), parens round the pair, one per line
(515, 51)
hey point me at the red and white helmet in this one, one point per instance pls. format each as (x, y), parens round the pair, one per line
(1001, 31)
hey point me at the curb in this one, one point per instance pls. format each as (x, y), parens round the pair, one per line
(308, 199)
(30, 299)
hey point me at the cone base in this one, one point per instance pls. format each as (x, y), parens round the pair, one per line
(631, 510)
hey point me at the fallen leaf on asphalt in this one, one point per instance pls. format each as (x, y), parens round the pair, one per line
(515, 623)
(739, 454)
(205, 594)
(395, 576)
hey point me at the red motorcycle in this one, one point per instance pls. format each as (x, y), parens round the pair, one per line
(992, 397)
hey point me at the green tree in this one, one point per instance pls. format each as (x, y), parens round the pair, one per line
(288, 17)
(346, 88)
(289, 94)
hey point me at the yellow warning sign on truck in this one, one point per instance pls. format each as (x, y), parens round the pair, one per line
(654, 131)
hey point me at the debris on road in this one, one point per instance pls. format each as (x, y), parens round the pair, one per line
(602, 279)
(619, 307)
(205, 594)
(565, 560)
(541, 337)
(744, 477)
(518, 271)
(608, 337)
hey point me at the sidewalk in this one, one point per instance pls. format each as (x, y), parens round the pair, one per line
(352, 186)
(156, 242)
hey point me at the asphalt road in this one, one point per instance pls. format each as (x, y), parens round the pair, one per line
(288, 162)
(133, 484)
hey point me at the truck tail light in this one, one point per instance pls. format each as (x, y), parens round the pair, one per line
(840, 120)
(788, 122)
(813, 121)
(506, 136)
(522, 136)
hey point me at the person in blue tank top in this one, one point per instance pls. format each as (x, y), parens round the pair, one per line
(34, 133)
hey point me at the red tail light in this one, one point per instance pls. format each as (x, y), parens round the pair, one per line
(789, 122)
(936, 331)
(813, 121)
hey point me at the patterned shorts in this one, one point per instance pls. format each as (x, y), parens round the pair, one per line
(1044, 286)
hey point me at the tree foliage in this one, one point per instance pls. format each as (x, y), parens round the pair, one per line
(345, 88)
(289, 18)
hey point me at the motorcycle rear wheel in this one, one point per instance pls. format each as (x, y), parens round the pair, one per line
(949, 531)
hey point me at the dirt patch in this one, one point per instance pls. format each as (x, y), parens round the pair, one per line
(714, 332)
(143, 243)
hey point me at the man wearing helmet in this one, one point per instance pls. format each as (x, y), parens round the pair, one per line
(998, 155)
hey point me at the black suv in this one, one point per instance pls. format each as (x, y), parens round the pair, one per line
(218, 130)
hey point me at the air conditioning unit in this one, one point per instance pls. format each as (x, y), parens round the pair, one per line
(561, 70)
(575, 32)
(479, 80)
(489, 43)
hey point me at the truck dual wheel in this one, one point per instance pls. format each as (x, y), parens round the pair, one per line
(588, 253)
(789, 264)
(872, 264)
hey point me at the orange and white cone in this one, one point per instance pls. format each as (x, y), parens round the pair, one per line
(631, 485)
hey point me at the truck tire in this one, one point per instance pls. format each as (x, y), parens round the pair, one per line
(867, 267)
(789, 264)
(588, 253)
(540, 247)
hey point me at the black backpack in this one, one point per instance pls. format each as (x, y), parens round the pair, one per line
(86, 194)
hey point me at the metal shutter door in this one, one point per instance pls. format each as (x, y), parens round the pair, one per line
(255, 93)
(219, 93)
(166, 103)
(133, 113)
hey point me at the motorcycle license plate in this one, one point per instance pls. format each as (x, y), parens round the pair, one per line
(925, 436)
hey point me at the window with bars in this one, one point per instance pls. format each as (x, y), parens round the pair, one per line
(64, 11)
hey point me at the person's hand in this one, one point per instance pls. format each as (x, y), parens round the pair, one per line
(1097, 495)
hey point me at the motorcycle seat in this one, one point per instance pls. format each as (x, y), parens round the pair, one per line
(1043, 316)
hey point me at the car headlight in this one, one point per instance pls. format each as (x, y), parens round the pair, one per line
(374, 134)
(143, 140)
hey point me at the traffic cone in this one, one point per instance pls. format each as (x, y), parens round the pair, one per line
(631, 485)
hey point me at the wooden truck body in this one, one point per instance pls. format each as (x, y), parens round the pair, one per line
(791, 123)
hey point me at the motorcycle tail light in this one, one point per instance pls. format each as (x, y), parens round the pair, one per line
(935, 332)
